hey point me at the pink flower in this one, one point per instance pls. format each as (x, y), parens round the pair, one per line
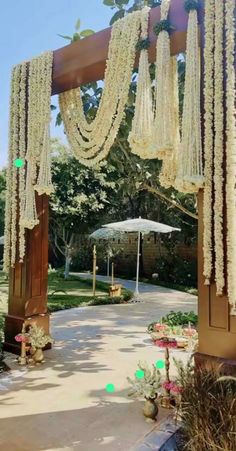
(172, 386)
(189, 332)
(165, 343)
(166, 385)
(20, 338)
(160, 327)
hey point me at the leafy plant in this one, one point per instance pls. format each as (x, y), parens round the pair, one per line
(174, 320)
(38, 338)
(180, 318)
(208, 409)
(149, 385)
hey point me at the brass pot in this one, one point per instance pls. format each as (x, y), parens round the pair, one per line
(38, 356)
(150, 409)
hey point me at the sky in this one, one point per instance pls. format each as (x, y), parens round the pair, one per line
(30, 27)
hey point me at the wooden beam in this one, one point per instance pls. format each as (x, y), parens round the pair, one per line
(84, 61)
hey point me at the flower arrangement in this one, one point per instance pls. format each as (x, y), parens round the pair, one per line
(172, 387)
(38, 338)
(148, 386)
(21, 338)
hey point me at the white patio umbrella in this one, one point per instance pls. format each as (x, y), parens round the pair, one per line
(141, 226)
(106, 234)
(2, 240)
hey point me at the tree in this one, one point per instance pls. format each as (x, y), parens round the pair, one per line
(81, 194)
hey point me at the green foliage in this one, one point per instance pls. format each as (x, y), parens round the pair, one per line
(177, 270)
(82, 261)
(149, 386)
(190, 5)
(99, 300)
(118, 15)
(163, 25)
(143, 44)
(180, 318)
(207, 410)
(78, 34)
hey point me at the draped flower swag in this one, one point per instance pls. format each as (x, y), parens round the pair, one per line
(91, 142)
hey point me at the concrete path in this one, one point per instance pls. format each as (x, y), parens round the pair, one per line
(63, 405)
(152, 293)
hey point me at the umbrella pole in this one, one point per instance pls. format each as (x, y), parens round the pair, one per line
(137, 268)
(108, 266)
(94, 269)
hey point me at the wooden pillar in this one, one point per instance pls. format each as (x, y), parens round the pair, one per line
(217, 329)
(28, 282)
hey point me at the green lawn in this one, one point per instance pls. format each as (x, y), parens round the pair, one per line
(65, 294)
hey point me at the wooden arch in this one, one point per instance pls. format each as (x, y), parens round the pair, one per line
(74, 65)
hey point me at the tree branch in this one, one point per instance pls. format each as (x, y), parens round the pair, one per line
(174, 204)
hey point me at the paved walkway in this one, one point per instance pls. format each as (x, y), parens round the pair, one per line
(62, 405)
(150, 293)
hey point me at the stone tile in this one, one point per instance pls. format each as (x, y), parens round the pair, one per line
(168, 425)
(142, 447)
(156, 439)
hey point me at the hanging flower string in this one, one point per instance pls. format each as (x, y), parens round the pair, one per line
(208, 139)
(38, 142)
(164, 133)
(141, 135)
(231, 152)
(190, 167)
(218, 147)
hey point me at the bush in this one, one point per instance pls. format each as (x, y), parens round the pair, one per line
(177, 270)
(83, 261)
(207, 411)
(106, 300)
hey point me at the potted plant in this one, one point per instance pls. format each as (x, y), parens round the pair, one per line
(146, 384)
(38, 339)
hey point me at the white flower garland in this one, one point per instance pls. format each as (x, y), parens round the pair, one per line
(38, 137)
(22, 154)
(20, 194)
(164, 134)
(218, 147)
(8, 206)
(167, 177)
(231, 152)
(208, 143)
(13, 169)
(92, 142)
(190, 167)
(141, 135)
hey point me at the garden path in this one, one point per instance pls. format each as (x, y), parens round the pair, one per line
(63, 405)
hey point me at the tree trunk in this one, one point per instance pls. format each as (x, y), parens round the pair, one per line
(67, 265)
